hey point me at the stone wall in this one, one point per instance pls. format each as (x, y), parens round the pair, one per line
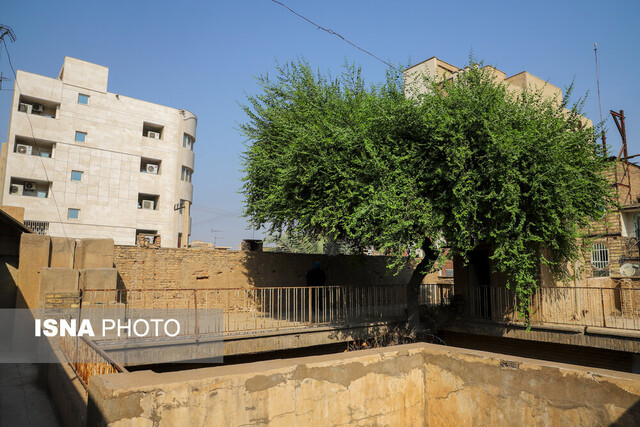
(55, 269)
(417, 384)
(149, 268)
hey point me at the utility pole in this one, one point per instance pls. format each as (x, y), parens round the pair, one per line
(604, 137)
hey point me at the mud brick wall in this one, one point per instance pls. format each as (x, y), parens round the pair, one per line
(630, 297)
(160, 268)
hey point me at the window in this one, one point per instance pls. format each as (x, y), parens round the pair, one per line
(187, 141)
(76, 175)
(186, 174)
(600, 260)
(39, 227)
(73, 213)
(81, 136)
(83, 99)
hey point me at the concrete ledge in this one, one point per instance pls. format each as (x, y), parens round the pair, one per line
(581, 336)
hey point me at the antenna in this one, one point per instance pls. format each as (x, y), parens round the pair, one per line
(3, 79)
(604, 138)
(215, 236)
(6, 30)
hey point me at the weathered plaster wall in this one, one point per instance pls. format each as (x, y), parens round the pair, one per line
(417, 384)
(205, 268)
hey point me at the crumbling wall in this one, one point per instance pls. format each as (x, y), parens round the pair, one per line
(416, 384)
(152, 268)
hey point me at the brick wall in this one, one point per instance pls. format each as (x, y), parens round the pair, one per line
(147, 268)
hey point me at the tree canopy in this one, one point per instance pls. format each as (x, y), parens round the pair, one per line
(466, 161)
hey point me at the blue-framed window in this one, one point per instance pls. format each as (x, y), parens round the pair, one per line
(76, 175)
(83, 99)
(81, 136)
(73, 213)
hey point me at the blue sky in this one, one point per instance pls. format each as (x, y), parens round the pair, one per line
(203, 56)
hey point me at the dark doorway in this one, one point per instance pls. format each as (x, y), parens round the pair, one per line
(479, 280)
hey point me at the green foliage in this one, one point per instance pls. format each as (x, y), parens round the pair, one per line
(292, 242)
(467, 161)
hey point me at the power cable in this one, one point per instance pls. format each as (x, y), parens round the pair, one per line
(320, 27)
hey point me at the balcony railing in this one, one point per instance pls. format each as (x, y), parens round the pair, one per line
(578, 306)
(86, 359)
(261, 309)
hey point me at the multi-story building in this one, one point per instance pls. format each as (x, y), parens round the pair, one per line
(85, 162)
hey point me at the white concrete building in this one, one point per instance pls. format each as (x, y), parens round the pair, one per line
(85, 162)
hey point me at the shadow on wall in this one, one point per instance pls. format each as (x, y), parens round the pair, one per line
(8, 281)
(273, 269)
(630, 417)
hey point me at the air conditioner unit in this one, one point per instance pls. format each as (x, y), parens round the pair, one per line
(150, 239)
(29, 186)
(25, 108)
(16, 189)
(152, 169)
(23, 149)
(154, 135)
(37, 108)
(148, 204)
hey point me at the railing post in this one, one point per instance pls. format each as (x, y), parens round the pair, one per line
(195, 305)
(310, 305)
(604, 316)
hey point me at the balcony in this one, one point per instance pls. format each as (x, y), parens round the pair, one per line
(34, 147)
(38, 107)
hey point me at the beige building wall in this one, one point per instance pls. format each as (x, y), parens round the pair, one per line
(437, 70)
(117, 145)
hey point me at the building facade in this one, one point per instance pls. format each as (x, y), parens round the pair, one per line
(84, 162)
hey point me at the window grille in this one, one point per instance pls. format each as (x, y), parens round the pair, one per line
(600, 260)
(39, 227)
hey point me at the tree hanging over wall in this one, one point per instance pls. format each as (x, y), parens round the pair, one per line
(465, 162)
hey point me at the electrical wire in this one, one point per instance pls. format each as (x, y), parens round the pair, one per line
(320, 27)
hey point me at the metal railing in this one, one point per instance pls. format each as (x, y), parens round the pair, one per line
(433, 294)
(86, 359)
(579, 306)
(261, 309)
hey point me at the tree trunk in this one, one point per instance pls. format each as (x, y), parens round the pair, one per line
(413, 287)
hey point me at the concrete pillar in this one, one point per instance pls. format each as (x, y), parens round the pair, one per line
(34, 255)
(185, 224)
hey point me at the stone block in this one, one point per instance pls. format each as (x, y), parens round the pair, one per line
(34, 255)
(57, 281)
(62, 250)
(98, 278)
(101, 283)
(93, 253)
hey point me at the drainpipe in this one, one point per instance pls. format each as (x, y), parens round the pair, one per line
(185, 224)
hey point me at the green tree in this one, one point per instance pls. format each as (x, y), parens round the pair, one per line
(467, 161)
